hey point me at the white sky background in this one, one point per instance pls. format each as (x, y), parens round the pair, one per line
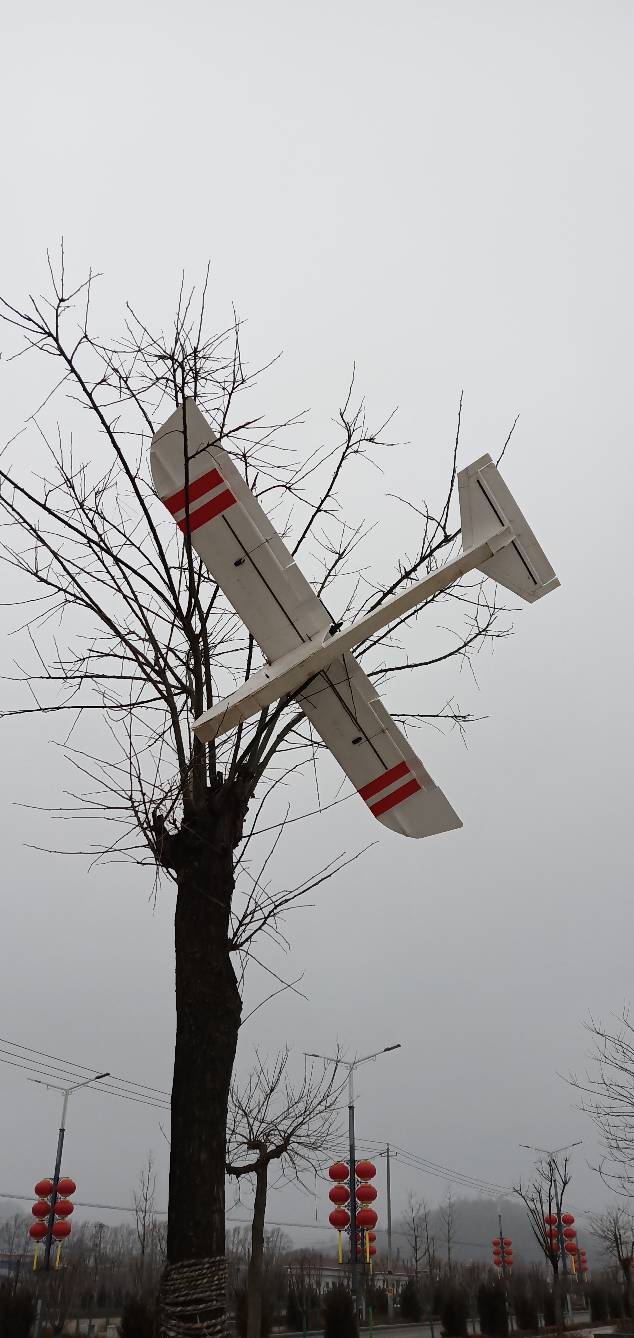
(441, 193)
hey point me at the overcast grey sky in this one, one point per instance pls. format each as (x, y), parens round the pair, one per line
(440, 192)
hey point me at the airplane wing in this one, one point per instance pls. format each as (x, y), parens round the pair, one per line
(233, 536)
(344, 707)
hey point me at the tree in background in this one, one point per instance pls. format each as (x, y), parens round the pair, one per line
(448, 1217)
(128, 640)
(608, 1097)
(615, 1229)
(544, 1198)
(271, 1119)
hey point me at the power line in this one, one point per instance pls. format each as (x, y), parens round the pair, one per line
(64, 1071)
(83, 1068)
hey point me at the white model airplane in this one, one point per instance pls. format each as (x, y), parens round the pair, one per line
(309, 658)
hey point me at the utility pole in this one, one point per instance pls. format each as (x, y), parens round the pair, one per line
(388, 1154)
(351, 1065)
(505, 1275)
(390, 1283)
(354, 1267)
(66, 1092)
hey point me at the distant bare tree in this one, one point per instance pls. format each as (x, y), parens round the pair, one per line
(608, 1097)
(615, 1229)
(544, 1198)
(278, 1121)
(145, 1216)
(447, 1214)
(412, 1231)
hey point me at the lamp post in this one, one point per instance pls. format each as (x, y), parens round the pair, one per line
(66, 1093)
(551, 1155)
(351, 1065)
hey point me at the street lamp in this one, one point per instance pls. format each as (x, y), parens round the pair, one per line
(66, 1091)
(351, 1065)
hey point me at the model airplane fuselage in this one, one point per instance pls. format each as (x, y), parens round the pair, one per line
(310, 660)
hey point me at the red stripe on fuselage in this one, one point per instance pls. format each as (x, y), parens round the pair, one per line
(374, 787)
(221, 502)
(197, 488)
(396, 797)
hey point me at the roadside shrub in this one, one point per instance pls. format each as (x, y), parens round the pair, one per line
(410, 1301)
(598, 1298)
(454, 1312)
(525, 1308)
(339, 1317)
(137, 1318)
(16, 1313)
(492, 1309)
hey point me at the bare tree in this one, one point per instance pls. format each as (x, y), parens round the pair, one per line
(544, 1198)
(608, 1097)
(144, 1212)
(412, 1231)
(447, 1214)
(127, 640)
(615, 1229)
(278, 1121)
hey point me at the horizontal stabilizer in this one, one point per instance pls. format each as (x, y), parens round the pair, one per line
(486, 505)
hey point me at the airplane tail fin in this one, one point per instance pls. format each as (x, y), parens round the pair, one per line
(485, 506)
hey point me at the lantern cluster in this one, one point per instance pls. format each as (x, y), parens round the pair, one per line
(42, 1209)
(367, 1218)
(558, 1228)
(365, 1195)
(502, 1251)
(339, 1194)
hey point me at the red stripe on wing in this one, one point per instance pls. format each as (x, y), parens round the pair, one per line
(197, 488)
(396, 797)
(214, 507)
(374, 787)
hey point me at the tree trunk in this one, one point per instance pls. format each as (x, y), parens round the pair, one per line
(559, 1313)
(192, 1298)
(256, 1262)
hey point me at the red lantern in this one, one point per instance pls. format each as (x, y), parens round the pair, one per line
(64, 1208)
(41, 1209)
(367, 1217)
(551, 1220)
(371, 1235)
(339, 1194)
(339, 1171)
(43, 1188)
(496, 1242)
(38, 1230)
(366, 1193)
(339, 1219)
(65, 1187)
(567, 1219)
(507, 1243)
(570, 1233)
(61, 1230)
(570, 1248)
(373, 1249)
(365, 1170)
